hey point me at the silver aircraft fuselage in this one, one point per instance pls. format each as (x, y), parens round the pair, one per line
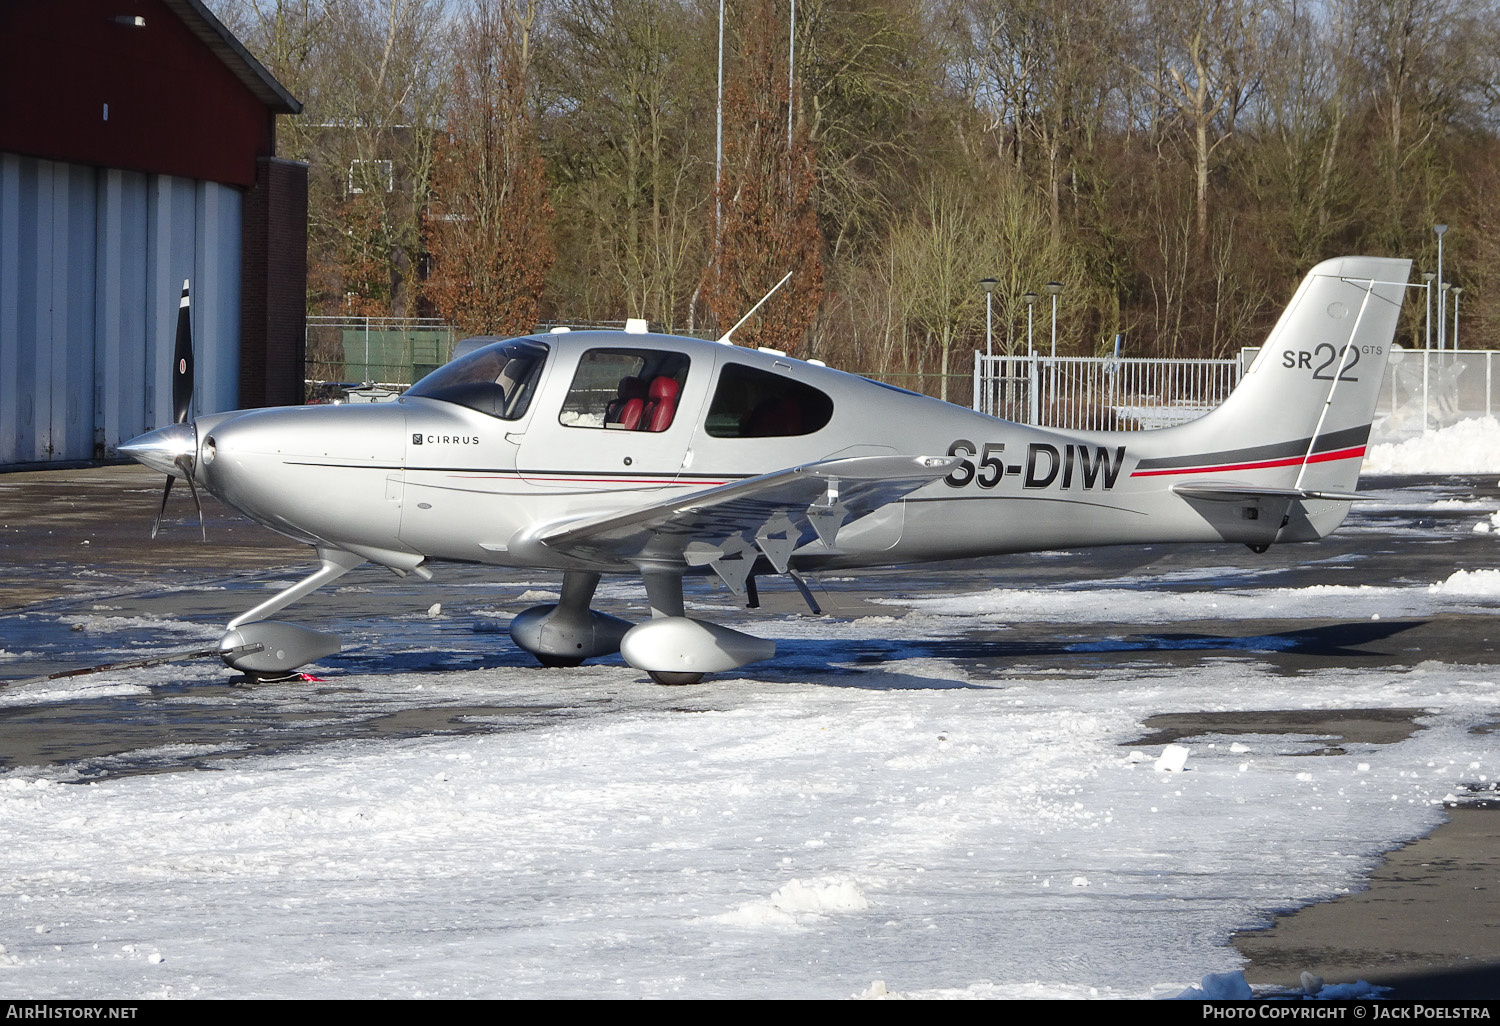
(593, 452)
(432, 479)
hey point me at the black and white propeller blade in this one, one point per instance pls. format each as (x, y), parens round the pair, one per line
(173, 449)
(182, 361)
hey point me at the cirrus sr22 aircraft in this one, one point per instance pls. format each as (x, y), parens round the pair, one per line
(602, 452)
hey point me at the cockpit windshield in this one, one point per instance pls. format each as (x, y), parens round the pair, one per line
(498, 380)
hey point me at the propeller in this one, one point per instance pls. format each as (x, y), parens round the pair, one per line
(178, 443)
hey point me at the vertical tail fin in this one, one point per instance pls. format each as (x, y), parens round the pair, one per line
(1289, 441)
(1301, 416)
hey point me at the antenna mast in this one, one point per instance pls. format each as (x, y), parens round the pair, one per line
(724, 339)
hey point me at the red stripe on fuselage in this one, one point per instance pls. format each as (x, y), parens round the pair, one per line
(589, 480)
(1322, 457)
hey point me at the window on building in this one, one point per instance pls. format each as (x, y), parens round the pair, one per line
(371, 176)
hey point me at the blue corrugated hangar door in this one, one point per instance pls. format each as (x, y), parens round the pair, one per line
(92, 262)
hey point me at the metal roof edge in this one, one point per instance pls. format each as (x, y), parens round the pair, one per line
(201, 21)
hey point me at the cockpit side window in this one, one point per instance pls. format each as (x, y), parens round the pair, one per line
(498, 380)
(752, 403)
(625, 390)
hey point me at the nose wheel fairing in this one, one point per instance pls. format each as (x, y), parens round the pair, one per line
(258, 646)
(270, 648)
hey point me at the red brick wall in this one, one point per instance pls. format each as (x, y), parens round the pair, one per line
(273, 285)
(173, 107)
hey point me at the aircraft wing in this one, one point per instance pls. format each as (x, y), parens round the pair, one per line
(726, 527)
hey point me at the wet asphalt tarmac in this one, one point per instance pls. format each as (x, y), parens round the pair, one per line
(75, 553)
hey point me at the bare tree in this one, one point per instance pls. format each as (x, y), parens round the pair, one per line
(488, 224)
(770, 226)
(632, 154)
(1203, 60)
(370, 77)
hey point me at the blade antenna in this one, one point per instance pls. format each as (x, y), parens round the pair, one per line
(724, 339)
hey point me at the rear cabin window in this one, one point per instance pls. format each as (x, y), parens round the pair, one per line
(752, 403)
(625, 390)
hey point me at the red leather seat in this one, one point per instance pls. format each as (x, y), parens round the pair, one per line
(662, 406)
(772, 418)
(632, 413)
(626, 408)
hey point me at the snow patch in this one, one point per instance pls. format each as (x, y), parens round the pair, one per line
(1483, 583)
(1468, 447)
(799, 903)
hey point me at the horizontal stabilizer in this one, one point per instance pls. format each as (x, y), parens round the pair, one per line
(1231, 491)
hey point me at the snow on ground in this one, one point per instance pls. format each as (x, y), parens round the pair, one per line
(1467, 447)
(822, 826)
(1464, 589)
(779, 835)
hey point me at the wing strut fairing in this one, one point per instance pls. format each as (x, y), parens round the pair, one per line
(728, 527)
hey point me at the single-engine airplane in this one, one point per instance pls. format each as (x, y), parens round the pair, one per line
(602, 452)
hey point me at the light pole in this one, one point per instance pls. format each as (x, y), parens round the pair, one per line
(1427, 277)
(1443, 288)
(1441, 230)
(1054, 289)
(988, 284)
(719, 140)
(986, 373)
(791, 81)
(1030, 299)
(1457, 291)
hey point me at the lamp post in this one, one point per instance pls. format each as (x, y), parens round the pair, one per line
(1054, 289)
(1443, 289)
(1440, 230)
(1427, 277)
(985, 375)
(1457, 291)
(719, 140)
(791, 81)
(988, 284)
(1030, 300)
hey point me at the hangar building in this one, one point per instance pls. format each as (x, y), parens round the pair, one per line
(137, 149)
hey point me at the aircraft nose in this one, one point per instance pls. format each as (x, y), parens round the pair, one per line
(160, 449)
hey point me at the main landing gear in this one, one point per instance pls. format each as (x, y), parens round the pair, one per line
(671, 647)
